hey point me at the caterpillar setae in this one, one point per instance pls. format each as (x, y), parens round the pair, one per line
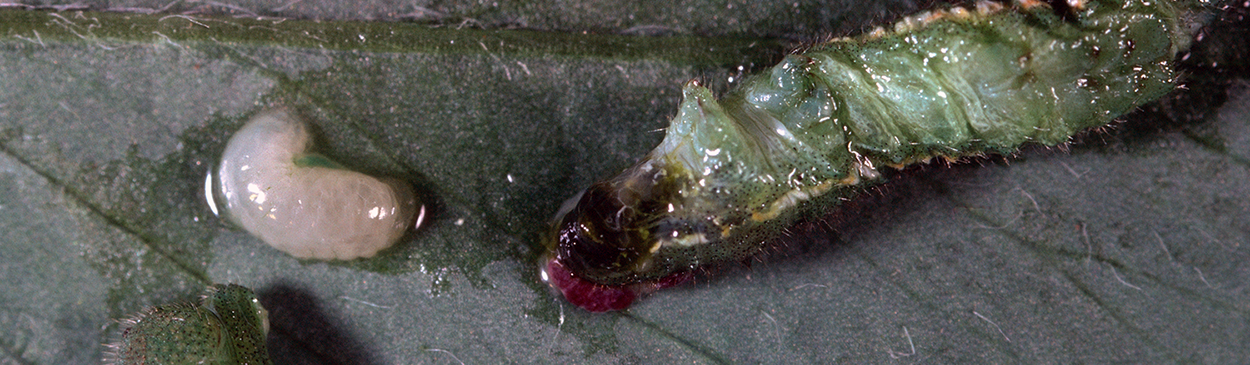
(732, 173)
(303, 203)
(227, 327)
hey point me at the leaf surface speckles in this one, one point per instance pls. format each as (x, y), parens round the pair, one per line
(1129, 246)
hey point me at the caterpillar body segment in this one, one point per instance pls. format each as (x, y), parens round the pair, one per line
(731, 174)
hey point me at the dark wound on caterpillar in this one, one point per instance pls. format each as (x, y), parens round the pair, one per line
(731, 174)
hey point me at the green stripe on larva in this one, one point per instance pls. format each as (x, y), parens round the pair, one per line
(732, 174)
(227, 327)
(303, 203)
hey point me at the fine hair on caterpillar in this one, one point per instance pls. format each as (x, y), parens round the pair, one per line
(734, 173)
(227, 326)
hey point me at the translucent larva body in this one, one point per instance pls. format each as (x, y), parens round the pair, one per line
(228, 326)
(732, 174)
(305, 204)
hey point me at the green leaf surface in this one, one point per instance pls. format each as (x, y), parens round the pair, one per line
(796, 19)
(1129, 246)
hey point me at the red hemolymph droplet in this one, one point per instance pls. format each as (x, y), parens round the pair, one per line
(590, 296)
(602, 298)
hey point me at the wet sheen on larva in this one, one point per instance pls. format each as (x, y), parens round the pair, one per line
(303, 203)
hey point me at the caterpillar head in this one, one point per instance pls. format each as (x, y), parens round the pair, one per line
(602, 249)
(600, 238)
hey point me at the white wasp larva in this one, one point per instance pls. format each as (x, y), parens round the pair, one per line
(303, 203)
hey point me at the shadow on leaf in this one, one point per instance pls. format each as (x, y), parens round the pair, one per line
(301, 332)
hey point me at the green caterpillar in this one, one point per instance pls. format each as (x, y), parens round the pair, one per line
(227, 327)
(732, 174)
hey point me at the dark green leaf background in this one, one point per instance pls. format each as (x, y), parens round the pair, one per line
(1128, 246)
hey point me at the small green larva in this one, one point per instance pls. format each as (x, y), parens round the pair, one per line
(303, 203)
(227, 327)
(733, 173)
